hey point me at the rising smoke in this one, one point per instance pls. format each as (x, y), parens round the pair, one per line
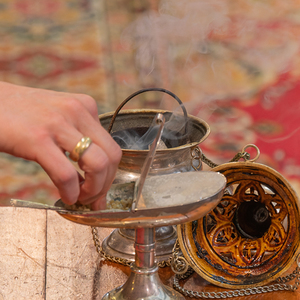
(210, 50)
(215, 49)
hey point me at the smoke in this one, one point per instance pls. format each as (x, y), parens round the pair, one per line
(140, 138)
(134, 138)
(215, 49)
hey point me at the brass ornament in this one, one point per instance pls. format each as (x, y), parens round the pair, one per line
(252, 236)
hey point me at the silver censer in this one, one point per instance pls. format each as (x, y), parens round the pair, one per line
(182, 155)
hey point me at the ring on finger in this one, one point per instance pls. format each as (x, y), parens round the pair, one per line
(80, 148)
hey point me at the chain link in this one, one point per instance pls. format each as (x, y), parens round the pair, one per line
(196, 155)
(237, 157)
(208, 161)
(179, 264)
(115, 259)
(102, 254)
(279, 286)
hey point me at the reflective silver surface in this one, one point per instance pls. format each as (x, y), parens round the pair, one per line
(121, 243)
(167, 200)
(139, 184)
(144, 282)
(166, 161)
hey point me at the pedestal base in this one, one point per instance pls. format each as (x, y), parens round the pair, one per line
(143, 284)
(120, 243)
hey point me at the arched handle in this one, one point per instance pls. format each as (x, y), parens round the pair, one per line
(143, 91)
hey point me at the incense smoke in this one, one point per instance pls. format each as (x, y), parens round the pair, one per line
(214, 49)
(174, 134)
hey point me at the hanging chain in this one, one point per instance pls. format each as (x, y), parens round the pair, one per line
(279, 286)
(178, 263)
(115, 259)
(237, 157)
(102, 254)
(196, 155)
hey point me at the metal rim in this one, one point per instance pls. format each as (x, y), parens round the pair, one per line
(154, 112)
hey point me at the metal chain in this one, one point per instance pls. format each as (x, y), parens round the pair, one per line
(115, 259)
(196, 155)
(237, 157)
(102, 254)
(178, 263)
(280, 286)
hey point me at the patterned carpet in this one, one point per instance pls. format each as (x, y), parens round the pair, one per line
(235, 64)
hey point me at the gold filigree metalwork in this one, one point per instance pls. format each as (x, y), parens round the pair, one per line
(230, 242)
(252, 236)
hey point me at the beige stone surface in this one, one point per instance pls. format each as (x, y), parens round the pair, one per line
(22, 254)
(44, 256)
(71, 259)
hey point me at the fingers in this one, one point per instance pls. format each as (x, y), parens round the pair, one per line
(99, 163)
(61, 171)
(99, 204)
(72, 187)
(97, 174)
(89, 103)
(85, 119)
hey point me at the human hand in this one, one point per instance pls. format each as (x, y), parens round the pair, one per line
(41, 125)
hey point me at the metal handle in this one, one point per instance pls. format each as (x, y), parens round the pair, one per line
(159, 120)
(143, 91)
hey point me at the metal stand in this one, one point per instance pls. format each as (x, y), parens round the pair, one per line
(144, 282)
(120, 243)
(171, 207)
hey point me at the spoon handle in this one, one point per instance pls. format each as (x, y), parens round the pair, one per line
(29, 204)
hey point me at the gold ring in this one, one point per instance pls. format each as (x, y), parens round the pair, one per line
(79, 149)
